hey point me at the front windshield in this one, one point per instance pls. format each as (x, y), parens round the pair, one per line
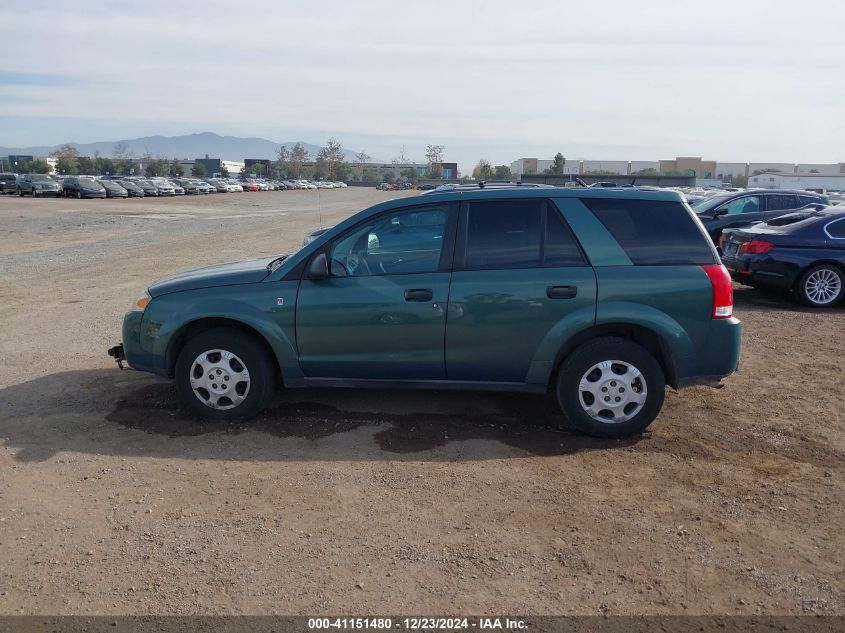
(41, 178)
(708, 204)
(89, 182)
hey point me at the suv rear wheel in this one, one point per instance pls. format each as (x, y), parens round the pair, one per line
(225, 374)
(611, 387)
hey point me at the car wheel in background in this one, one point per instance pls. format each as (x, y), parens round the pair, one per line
(225, 374)
(20, 192)
(610, 387)
(79, 194)
(821, 286)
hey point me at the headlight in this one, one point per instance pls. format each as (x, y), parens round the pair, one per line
(37, 186)
(141, 302)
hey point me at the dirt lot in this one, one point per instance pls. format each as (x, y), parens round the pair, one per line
(385, 502)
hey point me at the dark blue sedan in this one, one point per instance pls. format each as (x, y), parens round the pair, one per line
(802, 252)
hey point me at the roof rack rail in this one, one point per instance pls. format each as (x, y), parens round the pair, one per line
(488, 184)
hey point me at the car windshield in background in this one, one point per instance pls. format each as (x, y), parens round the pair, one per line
(90, 182)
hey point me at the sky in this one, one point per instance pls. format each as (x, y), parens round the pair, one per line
(744, 80)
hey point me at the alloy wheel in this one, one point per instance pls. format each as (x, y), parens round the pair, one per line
(823, 286)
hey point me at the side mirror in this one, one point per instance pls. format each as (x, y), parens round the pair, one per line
(319, 267)
(718, 212)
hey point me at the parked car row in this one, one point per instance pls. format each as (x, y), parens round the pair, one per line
(138, 187)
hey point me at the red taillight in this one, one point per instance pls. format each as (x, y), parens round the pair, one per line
(723, 292)
(756, 247)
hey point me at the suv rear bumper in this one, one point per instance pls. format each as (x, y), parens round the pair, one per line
(719, 357)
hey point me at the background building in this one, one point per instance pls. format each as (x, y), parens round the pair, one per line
(811, 182)
(689, 166)
(603, 166)
(529, 166)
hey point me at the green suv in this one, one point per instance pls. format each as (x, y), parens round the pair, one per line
(601, 297)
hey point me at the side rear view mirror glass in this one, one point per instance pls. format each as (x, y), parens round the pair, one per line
(319, 267)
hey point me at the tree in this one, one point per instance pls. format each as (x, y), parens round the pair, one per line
(256, 169)
(344, 171)
(104, 166)
(38, 166)
(175, 169)
(402, 158)
(502, 172)
(650, 171)
(330, 157)
(282, 159)
(557, 165)
(85, 165)
(123, 158)
(67, 157)
(409, 174)
(362, 157)
(483, 170)
(434, 158)
(199, 170)
(155, 167)
(295, 158)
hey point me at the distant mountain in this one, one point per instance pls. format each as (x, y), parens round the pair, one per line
(188, 146)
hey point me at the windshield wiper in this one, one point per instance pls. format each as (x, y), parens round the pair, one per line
(274, 264)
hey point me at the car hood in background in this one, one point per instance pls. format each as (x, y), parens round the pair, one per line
(250, 271)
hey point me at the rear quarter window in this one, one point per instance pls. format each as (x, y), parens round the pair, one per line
(653, 232)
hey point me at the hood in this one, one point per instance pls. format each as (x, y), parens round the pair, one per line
(249, 271)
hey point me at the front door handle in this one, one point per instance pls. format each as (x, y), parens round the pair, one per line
(561, 292)
(419, 294)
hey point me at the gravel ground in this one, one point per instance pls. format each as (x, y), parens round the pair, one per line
(347, 501)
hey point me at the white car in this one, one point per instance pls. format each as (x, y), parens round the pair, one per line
(164, 188)
(233, 187)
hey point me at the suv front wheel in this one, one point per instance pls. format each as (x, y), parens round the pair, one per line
(225, 374)
(610, 387)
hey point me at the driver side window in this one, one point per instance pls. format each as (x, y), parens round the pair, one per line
(747, 204)
(400, 242)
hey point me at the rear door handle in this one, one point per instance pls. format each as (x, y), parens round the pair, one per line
(561, 292)
(419, 294)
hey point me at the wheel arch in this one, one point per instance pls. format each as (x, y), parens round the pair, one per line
(647, 338)
(840, 266)
(180, 338)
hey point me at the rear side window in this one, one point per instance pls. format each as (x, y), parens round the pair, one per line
(809, 200)
(652, 232)
(508, 234)
(781, 202)
(503, 234)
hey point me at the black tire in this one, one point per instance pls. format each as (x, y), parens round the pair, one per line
(254, 356)
(832, 275)
(20, 192)
(651, 380)
(78, 194)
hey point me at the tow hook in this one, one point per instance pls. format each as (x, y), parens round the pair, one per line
(119, 356)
